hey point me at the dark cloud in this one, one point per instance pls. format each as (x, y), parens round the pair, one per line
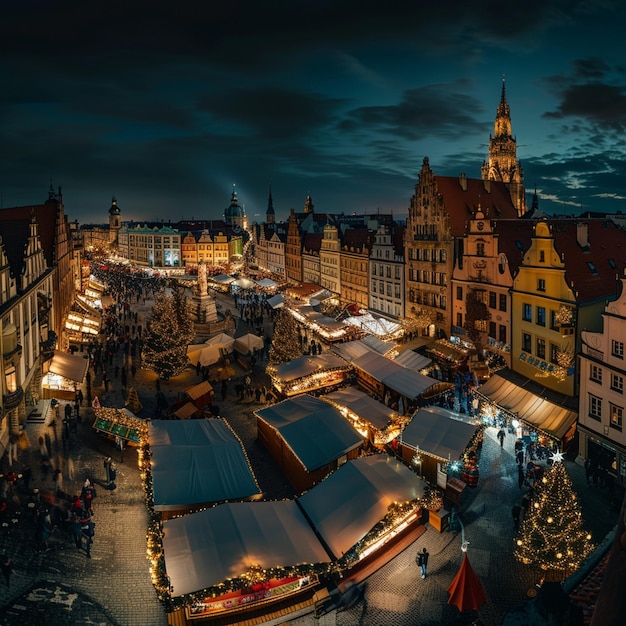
(443, 111)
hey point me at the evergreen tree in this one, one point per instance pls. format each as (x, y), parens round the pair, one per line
(286, 339)
(551, 534)
(167, 336)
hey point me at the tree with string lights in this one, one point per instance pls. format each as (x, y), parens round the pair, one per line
(169, 332)
(551, 535)
(286, 339)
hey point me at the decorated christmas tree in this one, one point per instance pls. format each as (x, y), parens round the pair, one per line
(286, 340)
(551, 535)
(168, 335)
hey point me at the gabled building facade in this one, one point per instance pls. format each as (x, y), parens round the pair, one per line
(386, 272)
(602, 400)
(353, 264)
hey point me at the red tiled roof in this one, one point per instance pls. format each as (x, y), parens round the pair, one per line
(356, 237)
(493, 197)
(592, 269)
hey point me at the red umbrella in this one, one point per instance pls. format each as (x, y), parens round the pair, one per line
(466, 592)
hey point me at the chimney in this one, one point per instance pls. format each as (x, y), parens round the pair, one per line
(463, 181)
(582, 235)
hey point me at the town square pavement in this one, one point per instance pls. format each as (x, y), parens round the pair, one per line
(61, 586)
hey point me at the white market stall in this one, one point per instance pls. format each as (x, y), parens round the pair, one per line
(212, 350)
(247, 343)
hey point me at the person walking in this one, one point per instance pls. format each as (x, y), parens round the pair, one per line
(107, 469)
(422, 561)
(6, 565)
(501, 436)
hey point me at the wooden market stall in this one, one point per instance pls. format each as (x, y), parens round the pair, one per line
(308, 438)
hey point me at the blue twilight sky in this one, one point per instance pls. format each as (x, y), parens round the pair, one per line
(165, 105)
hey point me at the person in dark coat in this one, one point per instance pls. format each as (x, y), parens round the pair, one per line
(6, 565)
(422, 561)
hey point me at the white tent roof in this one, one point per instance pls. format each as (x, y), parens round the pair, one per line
(406, 382)
(210, 351)
(376, 325)
(248, 342)
(438, 432)
(316, 431)
(244, 283)
(205, 548)
(351, 501)
(266, 282)
(197, 462)
(378, 414)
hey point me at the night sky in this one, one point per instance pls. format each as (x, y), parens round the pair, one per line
(166, 105)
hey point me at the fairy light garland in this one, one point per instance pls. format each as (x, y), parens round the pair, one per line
(551, 535)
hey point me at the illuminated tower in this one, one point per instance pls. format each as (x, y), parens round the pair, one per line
(115, 223)
(502, 164)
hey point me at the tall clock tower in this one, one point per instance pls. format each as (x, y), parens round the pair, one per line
(115, 223)
(502, 164)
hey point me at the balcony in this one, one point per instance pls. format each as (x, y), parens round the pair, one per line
(13, 399)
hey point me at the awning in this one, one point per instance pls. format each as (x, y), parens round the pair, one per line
(68, 365)
(545, 411)
(437, 432)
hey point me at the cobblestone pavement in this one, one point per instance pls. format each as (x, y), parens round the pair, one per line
(60, 586)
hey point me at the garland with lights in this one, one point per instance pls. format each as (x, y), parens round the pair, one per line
(551, 536)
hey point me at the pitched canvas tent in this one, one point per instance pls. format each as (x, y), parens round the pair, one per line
(247, 343)
(205, 548)
(197, 462)
(211, 351)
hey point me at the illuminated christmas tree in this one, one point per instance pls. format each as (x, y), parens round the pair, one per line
(551, 535)
(286, 339)
(169, 332)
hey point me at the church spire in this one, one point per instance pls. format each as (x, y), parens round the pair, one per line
(502, 164)
(270, 215)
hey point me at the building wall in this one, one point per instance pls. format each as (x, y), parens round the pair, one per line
(602, 401)
(539, 293)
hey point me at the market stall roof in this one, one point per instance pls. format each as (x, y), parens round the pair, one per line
(68, 365)
(378, 326)
(378, 345)
(353, 349)
(199, 390)
(266, 282)
(276, 301)
(378, 414)
(206, 548)
(187, 411)
(539, 407)
(247, 343)
(447, 350)
(438, 432)
(196, 462)
(406, 382)
(212, 350)
(244, 283)
(351, 501)
(315, 431)
(223, 279)
(303, 290)
(413, 360)
(307, 365)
